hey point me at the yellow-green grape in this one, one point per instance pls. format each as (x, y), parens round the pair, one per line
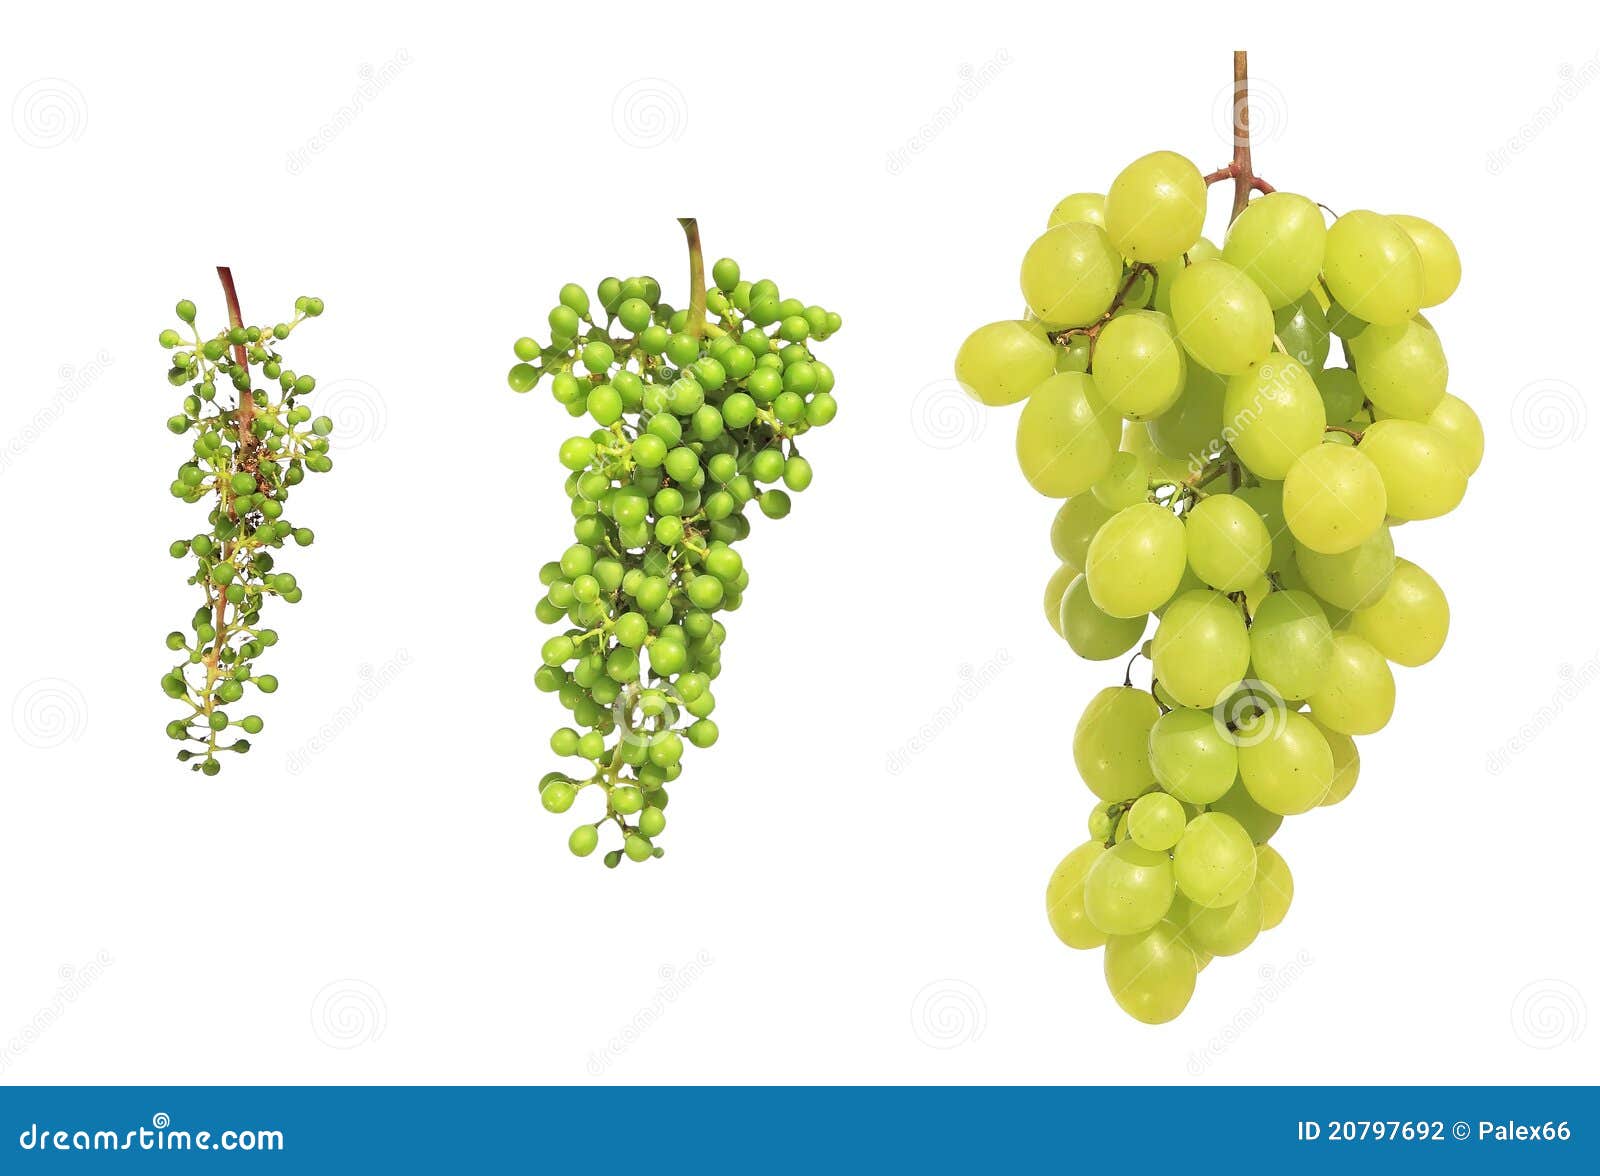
(1066, 437)
(1302, 328)
(1138, 365)
(1222, 318)
(1357, 697)
(1054, 589)
(1201, 648)
(1266, 499)
(1401, 368)
(1341, 394)
(1192, 755)
(1291, 643)
(1001, 363)
(1063, 898)
(1158, 466)
(1111, 744)
(1226, 931)
(1214, 862)
(1277, 243)
(1284, 761)
(1070, 275)
(1352, 579)
(1128, 889)
(1075, 524)
(1156, 821)
(1167, 272)
(1156, 207)
(1093, 634)
(1135, 560)
(1333, 498)
(1441, 264)
(1237, 803)
(1276, 884)
(1273, 413)
(1191, 430)
(1421, 471)
(1346, 763)
(1125, 483)
(1228, 544)
(1455, 421)
(1372, 268)
(1409, 622)
(1089, 207)
(1152, 975)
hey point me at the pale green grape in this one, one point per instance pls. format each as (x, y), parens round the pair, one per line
(1156, 821)
(1095, 635)
(1401, 368)
(1346, 763)
(1214, 862)
(1080, 206)
(1441, 264)
(1302, 328)
(1333, 498)
(1276, 884)
(1352, 579)
(1266, 499)
(1063, 898)
(1125, 483)
(1201, 648)
(1001, 363)
(1111, 744)
(1272, 413)
(1422, 473)
(1192, 755)
(1237, 803)
(1128, 889)
(1075, 524)
(1455, 421)
(1152, 975)
(1054, 589)
(1357, 697)
(1136, 560)
(1277, 243)
(1138, 365)
(1341, 394)
(1228, 544)
(1284, 761)
(1168, 271)
(1226, 931)
(1222, 318)
(1066, 437)
(1156, 207)
(1158, 466)
(1291, 643)
(1409, 622)
(1070, 275)
(1372, 268)
(1191, 430)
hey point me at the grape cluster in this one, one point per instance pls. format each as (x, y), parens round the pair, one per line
(1226, 479)
(697, 413)
(251, 444)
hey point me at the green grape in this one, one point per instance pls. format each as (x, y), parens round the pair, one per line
(1341, 394)
(1135, 560)
(1080, 206)
(1201, 648)
(1372, 268)
(1302, 328)
(1191, 430)
(1066, 437)
(1228, 930)
(1075, 525)
(1156, 207)
(1237, 803)
(1401, 368)
(1441, 264)
(1221, 317)
(1092, 634)
(1055, 588)
(1125, 483)
(1156, 821)
(1351, 579)
(1128, 889)
(1158, 467)
(1333, 499)
(1284, 761)
(1346, 763)
(1070, 275)
(1214, 862)
(1291, 643)
(1111, 744)
(1273, 413)
(1357, 697)
(1168, 271)
(1138, 365)
(1277, 243)
(1454, 420)
(1276, 885)
(1151, 975)
(1266, 499)
(1003, 362)
(1409, 622)
(1063, 898)
(1228, 545)
(1192, 756)
(1421, 471)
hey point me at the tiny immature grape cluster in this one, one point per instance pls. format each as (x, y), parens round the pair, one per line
(1227, 482)
(695, 415)
(250, 445)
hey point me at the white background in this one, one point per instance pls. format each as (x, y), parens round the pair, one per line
(401, 909)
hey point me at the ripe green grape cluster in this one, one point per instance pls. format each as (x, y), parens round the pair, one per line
(250, 445)
(1227, 483)
(697, 414)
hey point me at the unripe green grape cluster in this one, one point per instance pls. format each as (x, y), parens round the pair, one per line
(1226, 483)
(696, 415)
(251, 440)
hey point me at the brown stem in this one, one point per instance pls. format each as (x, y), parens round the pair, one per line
(1243, 178)
(697, 278)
